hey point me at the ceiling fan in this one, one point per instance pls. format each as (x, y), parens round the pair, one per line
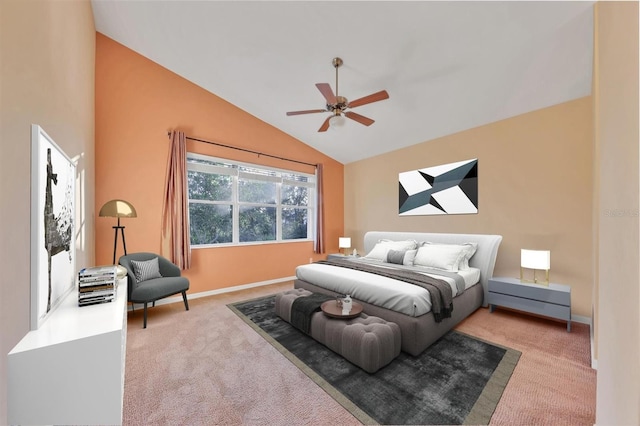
(338, 105)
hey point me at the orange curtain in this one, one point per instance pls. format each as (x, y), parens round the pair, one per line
(175, 213)
(318, 246)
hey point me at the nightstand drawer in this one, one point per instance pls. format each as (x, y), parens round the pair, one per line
(340, 256)
(554, 293)
(336, 256)
(529, 305)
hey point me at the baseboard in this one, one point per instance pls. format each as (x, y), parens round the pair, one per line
(594, 361)
(581, 319)
(587, 320)
(190, 296)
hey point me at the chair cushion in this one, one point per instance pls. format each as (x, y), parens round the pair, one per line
(146, 269)
(157, 288)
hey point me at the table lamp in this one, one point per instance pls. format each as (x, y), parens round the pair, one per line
(344, 243)
(536, 260)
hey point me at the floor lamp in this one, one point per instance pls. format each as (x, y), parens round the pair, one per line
(118, 208)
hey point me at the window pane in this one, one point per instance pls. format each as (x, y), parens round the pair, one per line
(200, 159)
(294, 223)
(210, 223)
(207, 186)
(294, 176)
(258, 171)
(251, 191)
(257, 224)
(295, 195)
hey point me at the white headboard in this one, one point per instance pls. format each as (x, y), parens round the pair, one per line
(484, 258)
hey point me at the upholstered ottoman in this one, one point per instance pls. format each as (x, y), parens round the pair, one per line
(366, 341)
(285, 300)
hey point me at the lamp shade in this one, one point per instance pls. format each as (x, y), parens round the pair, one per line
(118, 208)
(336, 121)
(535, 259)
(344, 242)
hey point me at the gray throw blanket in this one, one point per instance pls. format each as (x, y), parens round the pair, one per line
(304, 307)
(439, 290)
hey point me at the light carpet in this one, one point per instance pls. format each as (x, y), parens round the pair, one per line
(205, 366)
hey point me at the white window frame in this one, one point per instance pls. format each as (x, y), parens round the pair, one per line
(233, 171)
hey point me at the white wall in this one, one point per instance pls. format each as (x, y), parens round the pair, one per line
(47, 70)
(616, 141)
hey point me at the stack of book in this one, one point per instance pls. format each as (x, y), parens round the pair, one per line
(97, 285)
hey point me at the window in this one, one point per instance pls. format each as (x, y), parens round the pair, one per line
(233, 203)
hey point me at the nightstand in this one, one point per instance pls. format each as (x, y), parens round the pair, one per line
(340, 256)
(552, 301)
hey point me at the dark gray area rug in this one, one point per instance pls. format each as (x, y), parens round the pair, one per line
(457, 380)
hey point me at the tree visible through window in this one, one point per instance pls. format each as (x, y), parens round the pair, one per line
(233, 202)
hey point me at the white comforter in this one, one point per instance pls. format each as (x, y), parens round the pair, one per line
(377, 290)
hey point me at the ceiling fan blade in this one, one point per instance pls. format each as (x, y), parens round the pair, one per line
(375, 97)
(327, 92)
(309, 111)
(325, 125)
(359, 118)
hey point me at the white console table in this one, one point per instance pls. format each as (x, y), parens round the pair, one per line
(71, 370)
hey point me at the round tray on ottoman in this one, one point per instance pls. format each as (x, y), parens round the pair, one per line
(331, 309)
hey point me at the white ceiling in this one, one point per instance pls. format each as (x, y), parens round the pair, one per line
(447, 66)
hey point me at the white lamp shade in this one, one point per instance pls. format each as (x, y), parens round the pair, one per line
(344, 242)
(336, 121)
(535, 259)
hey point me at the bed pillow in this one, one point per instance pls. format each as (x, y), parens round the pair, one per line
(382, 247)
(400, 245)
(146, 269)
(395, 256)
(378, 252)
(445, 257)
(409, 257)
(401, 257)
(469, 249)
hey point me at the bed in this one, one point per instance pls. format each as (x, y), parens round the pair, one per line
(408, 305)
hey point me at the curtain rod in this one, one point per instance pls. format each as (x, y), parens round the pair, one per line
(247, 150)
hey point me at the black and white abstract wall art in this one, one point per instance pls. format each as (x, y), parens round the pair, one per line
(445, 189)
(53, 273)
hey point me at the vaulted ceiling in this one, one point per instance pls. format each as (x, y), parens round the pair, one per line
(447, 66)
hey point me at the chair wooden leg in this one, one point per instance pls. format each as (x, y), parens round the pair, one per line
(145, 315)
(184, 297)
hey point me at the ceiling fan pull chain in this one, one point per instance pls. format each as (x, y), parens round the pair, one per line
(336, 79)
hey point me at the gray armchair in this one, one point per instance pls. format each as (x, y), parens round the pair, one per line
(153, 287)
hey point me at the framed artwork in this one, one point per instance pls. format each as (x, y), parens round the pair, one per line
(445, 189)
(53, 221)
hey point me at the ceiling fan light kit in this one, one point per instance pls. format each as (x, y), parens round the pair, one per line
(336, 121)
(338, 105)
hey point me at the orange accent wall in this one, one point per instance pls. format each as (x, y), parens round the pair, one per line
(137, 103)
